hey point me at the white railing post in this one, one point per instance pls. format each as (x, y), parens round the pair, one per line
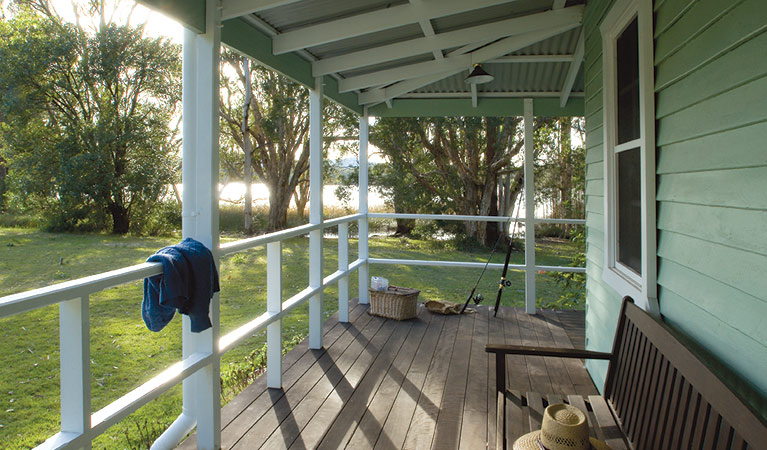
(274, 305)
(530, 294)
(201, 391)
(74, 332)
(363, 249)
(343, 265)
(315, 213)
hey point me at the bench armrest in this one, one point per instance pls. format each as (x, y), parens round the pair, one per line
(501, 349)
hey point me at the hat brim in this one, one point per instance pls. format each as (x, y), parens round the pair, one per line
(529, 441)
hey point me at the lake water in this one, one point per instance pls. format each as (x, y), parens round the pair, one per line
(235, 193)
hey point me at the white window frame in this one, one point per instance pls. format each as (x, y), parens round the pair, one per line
(642, 288)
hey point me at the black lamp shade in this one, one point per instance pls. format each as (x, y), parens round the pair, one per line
(478, 76)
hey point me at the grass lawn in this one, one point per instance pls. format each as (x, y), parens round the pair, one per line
(125, 354)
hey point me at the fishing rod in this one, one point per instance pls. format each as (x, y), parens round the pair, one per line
(504, 282)
(478, 297)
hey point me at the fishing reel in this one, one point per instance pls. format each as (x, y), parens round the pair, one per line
(505, 283)
(477, 299)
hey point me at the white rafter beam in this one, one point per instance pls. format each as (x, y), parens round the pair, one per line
(572, 72)
(558, 4)
(382, 19)
(428, 30)
(418, 46)
(517, 94)
(237, 8)
(516, 59)
(453, 63)
(458, 63)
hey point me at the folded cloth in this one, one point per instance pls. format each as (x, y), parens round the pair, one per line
(187, 283)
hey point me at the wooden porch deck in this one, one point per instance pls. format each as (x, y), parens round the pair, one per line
(425, 383)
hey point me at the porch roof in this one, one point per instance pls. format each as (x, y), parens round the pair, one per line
(410, 58)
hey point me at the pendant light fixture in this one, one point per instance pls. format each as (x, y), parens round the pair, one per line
(478, 76)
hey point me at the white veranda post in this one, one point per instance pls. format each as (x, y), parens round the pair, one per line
(200, 221)
(529, 209)
(315, 213)
(364, 270)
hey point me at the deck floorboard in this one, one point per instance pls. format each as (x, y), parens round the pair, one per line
(422, 383)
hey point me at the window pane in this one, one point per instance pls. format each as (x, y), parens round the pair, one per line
(629, 210)
(628, 84)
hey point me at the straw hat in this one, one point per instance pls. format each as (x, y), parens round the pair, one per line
(564, 427)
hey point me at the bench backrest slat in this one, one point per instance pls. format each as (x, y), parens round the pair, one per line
(665, 397)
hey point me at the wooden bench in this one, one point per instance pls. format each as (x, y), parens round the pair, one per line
(657, 395)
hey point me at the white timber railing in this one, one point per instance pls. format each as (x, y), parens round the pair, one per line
(78, 425)
(474, 264)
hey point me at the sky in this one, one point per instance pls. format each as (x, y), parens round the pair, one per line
(157, 25)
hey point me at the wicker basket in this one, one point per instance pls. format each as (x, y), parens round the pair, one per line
(395, 303)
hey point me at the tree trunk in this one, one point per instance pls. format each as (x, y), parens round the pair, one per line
(120, 218)
(404, 226)
(279, 200)
(248, 175)
(302, 198)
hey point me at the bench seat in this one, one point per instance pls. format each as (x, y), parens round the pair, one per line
(658, 395)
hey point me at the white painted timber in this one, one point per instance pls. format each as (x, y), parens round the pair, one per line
(451, 39)
(559, 22)
(385, 94)
(382, 19)
(37, 298)
(182, 426)
(343, 266)
(472, 218)
(452, 66)
(572, 71)
(245, 244)
(202, 391)
(642, 288)
(517, 59)
(133, 400)
(472, 264)
(529, 209)
(473, 95)
(363, 245)
(237, 8)
(315, 213)
(558, 4)
(443, 217)
(274, 306)
(74, 338)
(428, 30)
(520, 94)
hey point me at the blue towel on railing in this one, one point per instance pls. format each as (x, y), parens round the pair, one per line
(187, 284)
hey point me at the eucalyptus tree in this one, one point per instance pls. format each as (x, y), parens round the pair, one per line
(455, 163)
(275, 130)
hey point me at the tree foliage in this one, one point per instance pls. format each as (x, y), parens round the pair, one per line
(450, 165)
(561, 175)
(278, 128)
(85, 117)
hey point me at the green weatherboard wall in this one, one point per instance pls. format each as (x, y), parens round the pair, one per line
(711, 111)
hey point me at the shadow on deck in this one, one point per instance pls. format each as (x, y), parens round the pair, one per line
(424, 383)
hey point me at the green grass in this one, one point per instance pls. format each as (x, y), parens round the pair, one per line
(125, 354)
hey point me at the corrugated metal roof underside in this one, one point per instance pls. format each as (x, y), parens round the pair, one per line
(310, 12)
(367, 41)
(522, 77)
(509, 77)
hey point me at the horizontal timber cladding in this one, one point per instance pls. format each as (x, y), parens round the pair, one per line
(711, 136)
(603, 303)
(711, 82)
